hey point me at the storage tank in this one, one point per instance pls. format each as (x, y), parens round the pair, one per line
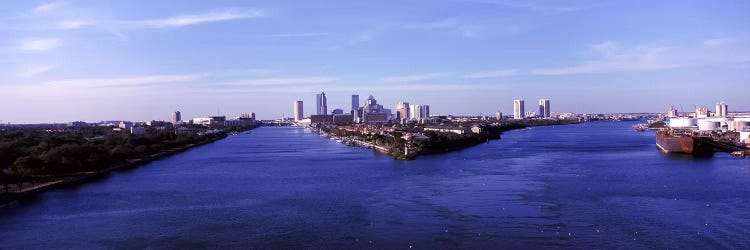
(738, 125)
(683, 122)
(706, 125)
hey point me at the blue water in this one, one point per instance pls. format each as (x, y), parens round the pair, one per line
(594, 185)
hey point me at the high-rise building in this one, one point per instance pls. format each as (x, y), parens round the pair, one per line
(415, 112)
(518, 109)
(176, 117)
(402, 111)
(298, 111)
(544, 108)
(499, 116)
(321, 104)
(721, 109)
(426, 111)
(355, 102)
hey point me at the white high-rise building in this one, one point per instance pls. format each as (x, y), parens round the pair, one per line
(298, 111)
(499, 115)
(544, 108)
(518, 109)
(176, 117)
(721, 109)
(415, 112)
(321, 104)
(403, 111)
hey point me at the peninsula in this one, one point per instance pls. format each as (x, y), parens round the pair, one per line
(408, 141)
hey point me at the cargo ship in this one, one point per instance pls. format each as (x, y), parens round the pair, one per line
(683, 142)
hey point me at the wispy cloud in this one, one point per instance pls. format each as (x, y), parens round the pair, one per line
(614, 58)
(451, 24)
(493, 73)
(292, 35)
(283, 81)
(124, 81)
(537, 6)
(412, 78)
(35, 70)
(73, 24)
(715, 42)
(44, 8)
(214, 16)
(38, 45)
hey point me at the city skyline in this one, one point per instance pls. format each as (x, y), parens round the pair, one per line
(461, 57)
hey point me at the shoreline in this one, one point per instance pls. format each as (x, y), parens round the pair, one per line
(83, 178)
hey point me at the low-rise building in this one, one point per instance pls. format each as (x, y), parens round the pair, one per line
(455, 130)
(342, 119)
(326, 119)
(137, 130)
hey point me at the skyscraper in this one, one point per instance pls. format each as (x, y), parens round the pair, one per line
(544, 108)
(355, 102)
(415, 112)
(176, 117)
(402, 111)
(518, 109)
(499, 116)
(298, 111)
(425, 111)
(321, 104)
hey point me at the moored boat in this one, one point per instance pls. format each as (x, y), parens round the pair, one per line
(681, 141)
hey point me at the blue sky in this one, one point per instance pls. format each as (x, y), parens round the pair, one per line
(141, 60)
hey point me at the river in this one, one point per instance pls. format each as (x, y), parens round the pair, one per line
(591, 185)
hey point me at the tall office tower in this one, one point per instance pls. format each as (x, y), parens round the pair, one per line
(176, 117)
(402, 111)
(544, 108)
(415, 112)
(499, 115)
(425, 111)
(721, 109)
(518, 111)
(298, 111)
(355, 102)
(321, 104)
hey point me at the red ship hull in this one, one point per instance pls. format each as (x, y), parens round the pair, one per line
(683, 144)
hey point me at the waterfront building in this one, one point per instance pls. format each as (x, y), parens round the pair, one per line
(499, 116)
(343, 119)
(321, 103)
(298, 111)
(326, 119)
(530, 114)
(372, 112)
(518, 109)
(721, 109)
(355, 103)
(176, 118)
(544, 108)
(455, 130)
